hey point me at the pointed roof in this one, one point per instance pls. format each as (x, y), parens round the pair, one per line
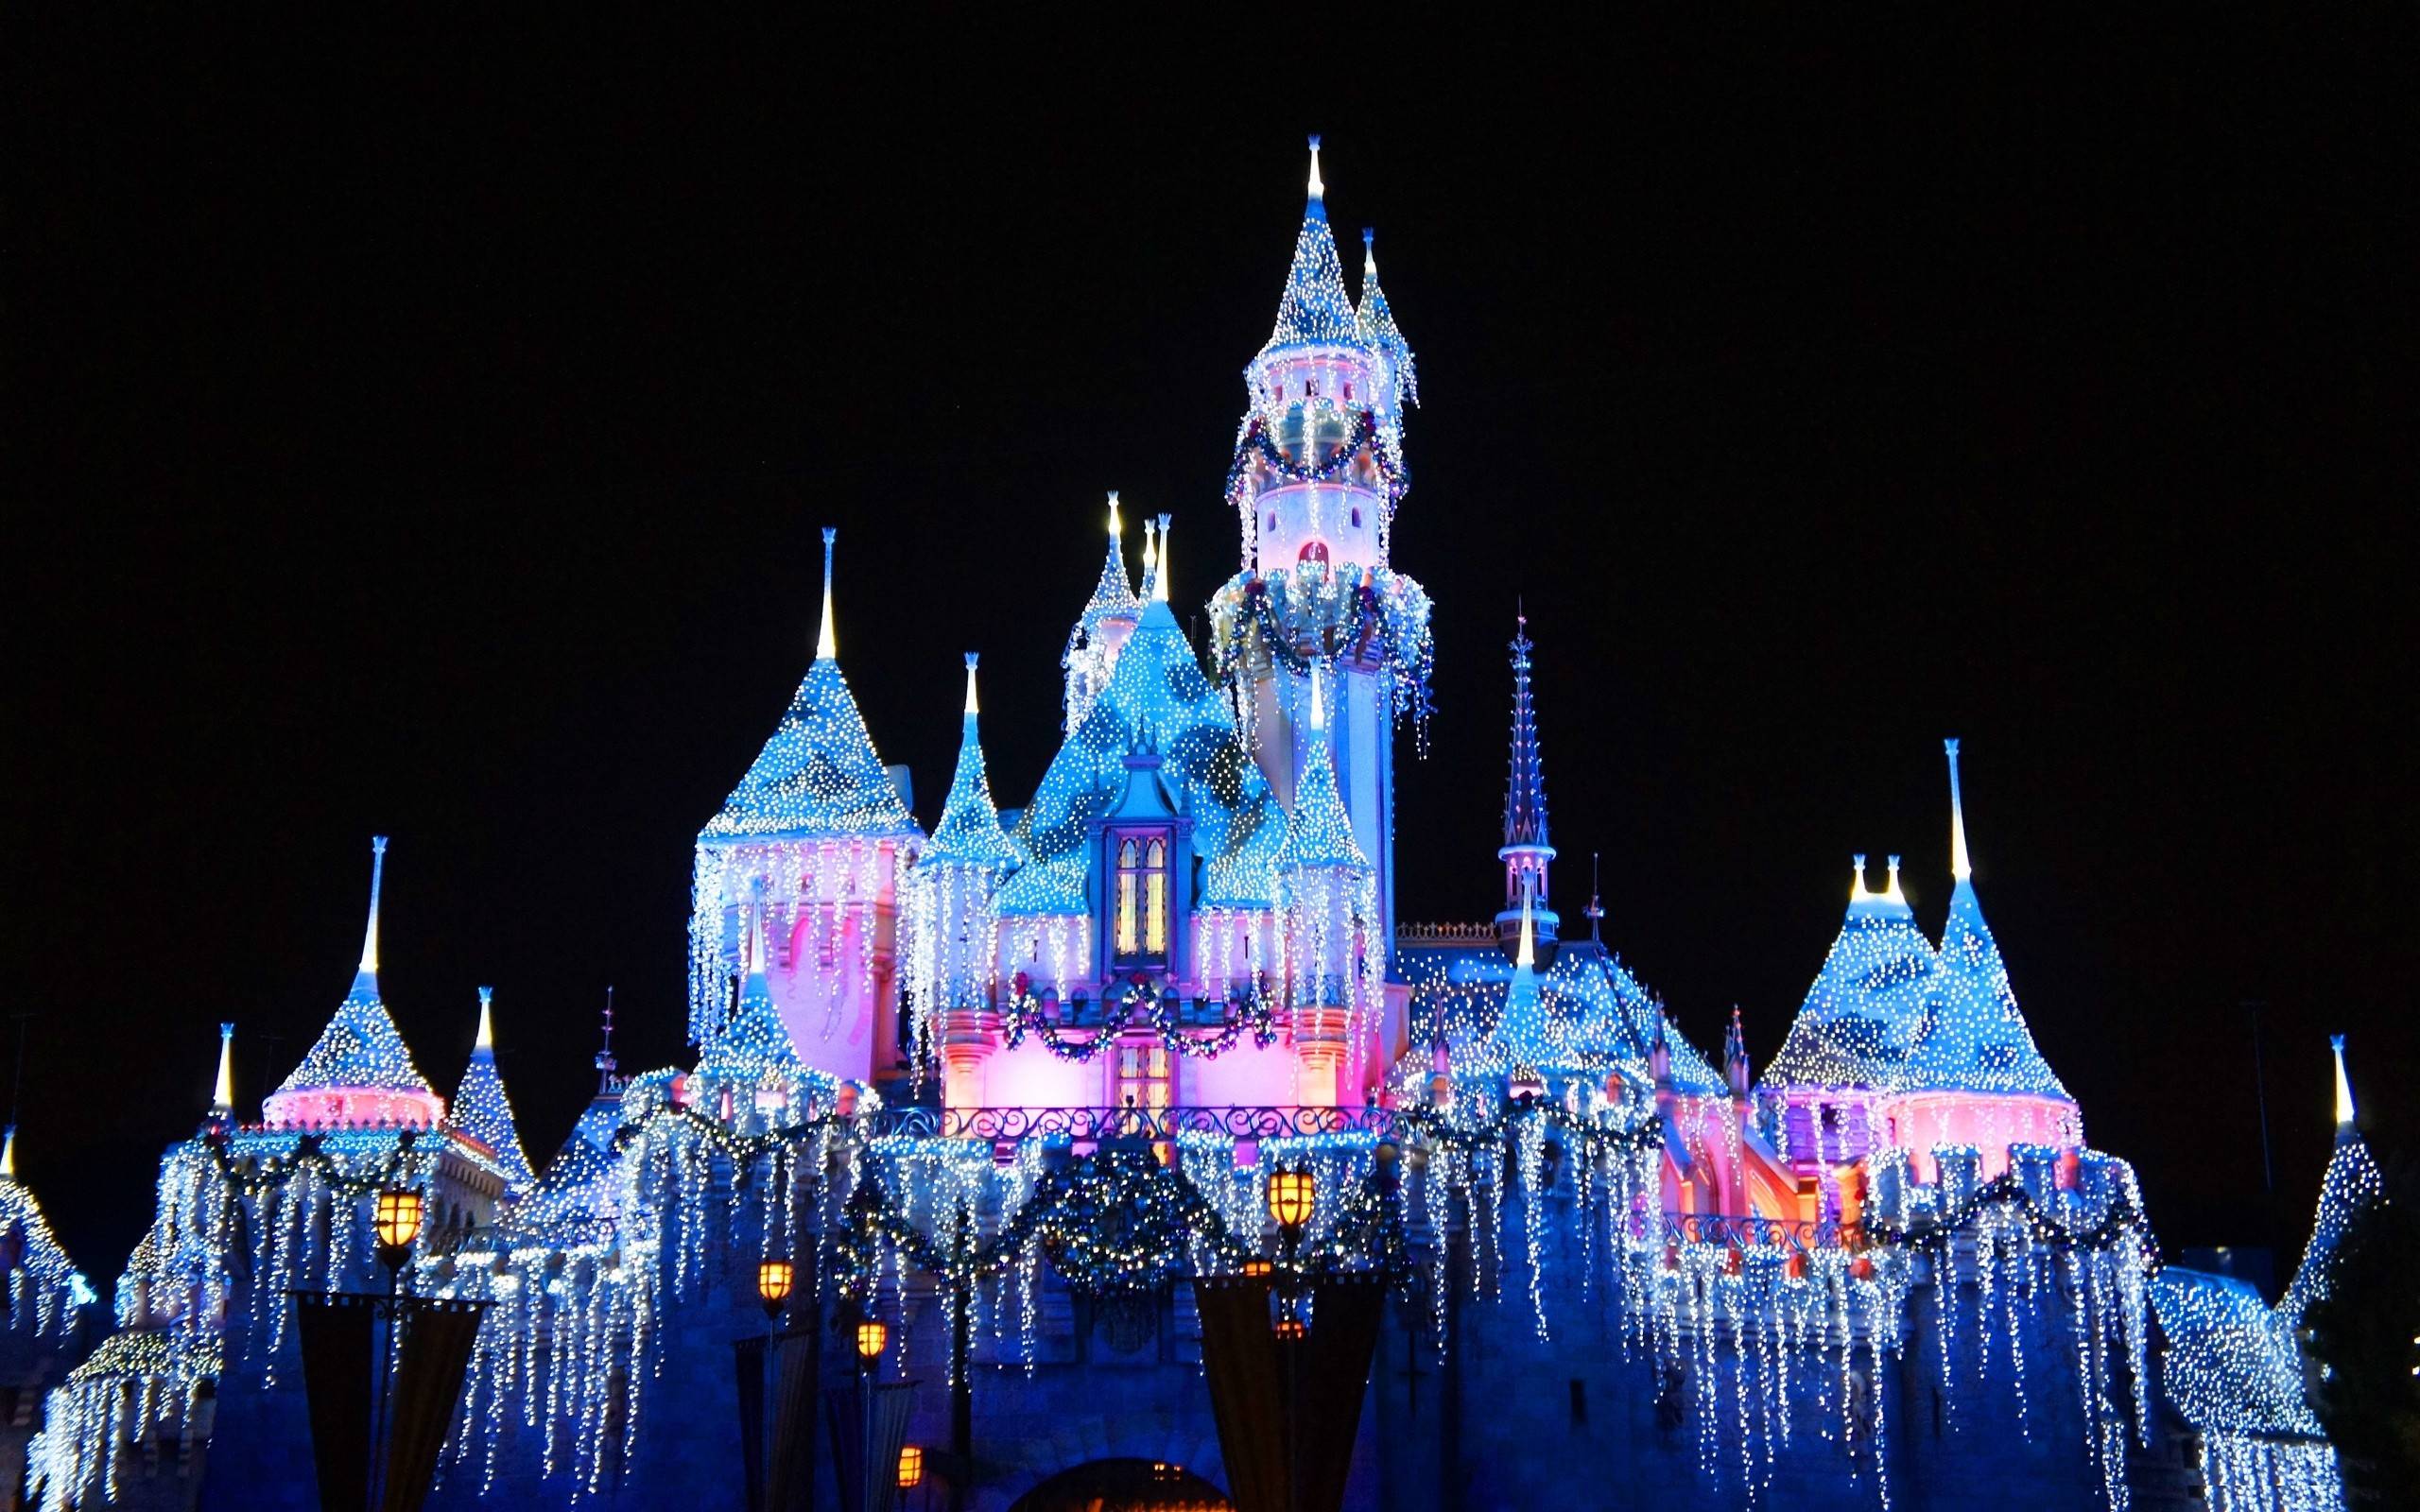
(1314, 310)
(59, 1290)
(222, 1096)
(1522, 1029)
(1320, 832)
(579, 1188)
(483, 1109)
(1374, 323)
(818, 776)
(361, 1046)
(1525, 787)
(753, 1043)
(1114, 595)
(1863, 1010)
(2229, 1366)
(2351, 1186)
(1973, 1037)
(1158, 701)
(969, 834)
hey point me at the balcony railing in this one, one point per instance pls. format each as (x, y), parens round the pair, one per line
(1083, 1125)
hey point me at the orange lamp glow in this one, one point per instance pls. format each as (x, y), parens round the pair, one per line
(871, 1337)
(1291, 1194)
(1254, 1269)
(911, 1468)
(1290, 1330)
(398, 1218)
(774, 1278)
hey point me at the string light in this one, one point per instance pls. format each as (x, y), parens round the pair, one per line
(484, 1112)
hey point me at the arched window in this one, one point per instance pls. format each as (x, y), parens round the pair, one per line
(1155, 898)
(1130, 881)
(1313, 551)
(1356, 517)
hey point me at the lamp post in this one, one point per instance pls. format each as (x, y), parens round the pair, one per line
(396, 1221)
(871, 1337)
(1292, 1196)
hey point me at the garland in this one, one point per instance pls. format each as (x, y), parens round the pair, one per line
(1408, 672)
(1254, 444)
(1024, 1016)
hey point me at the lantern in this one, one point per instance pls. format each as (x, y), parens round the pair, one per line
(773, 1281)
(1255, 1269)
(871, 1337)
(1290, 1330)
(397, 1223)
(1291, 1196)
(911, 1467)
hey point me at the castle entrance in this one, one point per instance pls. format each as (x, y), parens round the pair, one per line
(1124, 1485)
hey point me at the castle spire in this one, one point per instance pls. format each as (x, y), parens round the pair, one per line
(8, 1155)
(483, 1109)
(1374, 320)
(826, 648)
(1959, 868)
(969, 832)
(1527, 849)
(1315, 310)
(2343, 1090)
(606, 1064)
(1116, 591)
(1160, 573)
(369, 936)
(222, 1096)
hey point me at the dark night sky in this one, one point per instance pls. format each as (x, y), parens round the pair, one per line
(429, 438)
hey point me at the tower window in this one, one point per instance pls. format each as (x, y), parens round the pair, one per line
(1140, 925)
(1272, 518)
(1356, 517)
(1313, 551)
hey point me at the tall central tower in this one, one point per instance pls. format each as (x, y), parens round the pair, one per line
(1316, 476)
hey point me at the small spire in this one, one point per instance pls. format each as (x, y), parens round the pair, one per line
(1596, 909)
(369, 936)
(1117, 531)
(8, 1155)
(222, 1096)
(971, 709)
(1528, 958)
(1150, 561)
(1319, 705)
(1858, 892)
(2344, 1087)
(1160, 577)
(1318, 190)
(1891, 891)
(1368, 251)
(826, 647)
(1959, 866)
(487, 1027)
(605, 1061)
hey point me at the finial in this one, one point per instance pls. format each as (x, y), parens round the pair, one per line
(970, 682)
(1857, 878)
(1892, 890)
(1959, 868)
(377, 873)
(1160, 578)
(1150, 549)
(1319, 190)
(1528, 958)
(605, 1062)
(1319, 705)
(1368, 251)
(825, 646)
(8, 1155)
(1596, 909)
(1114, 528)
(2344, 1087)
(487, 1027)
(222, 1096)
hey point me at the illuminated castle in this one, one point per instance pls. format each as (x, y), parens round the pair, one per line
(1016, 1082)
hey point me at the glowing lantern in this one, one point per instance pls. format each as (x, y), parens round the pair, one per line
(773, 1280)
(911, 1468)
(871, 1337)
(397, 1223)
(1291, 1196)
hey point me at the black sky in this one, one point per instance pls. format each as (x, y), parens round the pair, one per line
(427, 435)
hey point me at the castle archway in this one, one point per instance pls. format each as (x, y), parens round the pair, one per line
(1124, 1485)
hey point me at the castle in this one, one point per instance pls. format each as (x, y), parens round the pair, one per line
(1014, 1084)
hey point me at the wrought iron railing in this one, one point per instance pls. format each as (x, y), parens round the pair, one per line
(1154, 1123)
(1790, 1235)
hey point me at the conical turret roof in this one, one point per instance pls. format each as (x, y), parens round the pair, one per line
(1113, 596)
(1374, 323)
(1863, 1013)
(818, 776)
(360, 1047)
(1320, 832)
(969, 834)
(1973, 1037)
(753, 1043)
(1314, 310)
(483, 1109)
(2351, 1186)
(1521, 1030)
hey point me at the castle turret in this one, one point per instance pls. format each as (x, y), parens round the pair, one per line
(358, 1073)
(222, 1096)
(483, 1109)
(2351, 1186)
(1318, 474)
(1108, 618)
(1335, 943)
(752, 1062)
(823, 829)
(1973, 1075)
(1526, 852)
(952, 908)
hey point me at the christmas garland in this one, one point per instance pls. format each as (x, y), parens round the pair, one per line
(1254, 444)
(1026, 1016)
(1409, 671)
